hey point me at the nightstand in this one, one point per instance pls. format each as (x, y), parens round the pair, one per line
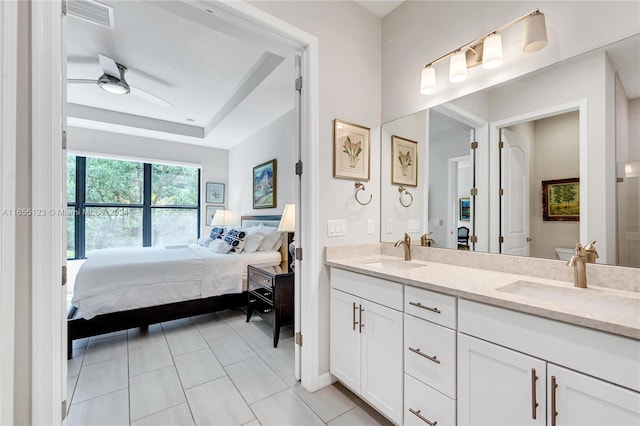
(270, 294)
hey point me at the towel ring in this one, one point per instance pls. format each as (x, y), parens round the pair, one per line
(402, 190)
(360, 187)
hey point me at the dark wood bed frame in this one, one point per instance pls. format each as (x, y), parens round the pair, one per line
(78, 328)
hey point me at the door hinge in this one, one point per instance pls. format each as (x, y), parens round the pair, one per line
(501, 239)
(298, 253)
(620, 180)
(473, 239)
(474, 145)
(64, 274)
(500, 144)
(299, 338)
(299, 84)
(474, 191)
(502, 192)
(63, 9)
(64, 139)
(299, 168)
(64, 409)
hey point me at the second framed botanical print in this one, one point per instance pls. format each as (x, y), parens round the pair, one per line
(351, 151)
(404, 161)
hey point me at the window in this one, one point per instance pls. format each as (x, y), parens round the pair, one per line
(129, 204)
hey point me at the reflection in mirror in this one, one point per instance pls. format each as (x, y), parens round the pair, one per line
(600, 145)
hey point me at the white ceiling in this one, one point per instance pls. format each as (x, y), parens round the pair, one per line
(224, 81)
(380, 7)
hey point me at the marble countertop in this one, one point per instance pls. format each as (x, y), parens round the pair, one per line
(610, 310)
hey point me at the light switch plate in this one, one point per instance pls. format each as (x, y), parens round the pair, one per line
(370, 226)
(389, 226)
(336, 228)
(414, 225)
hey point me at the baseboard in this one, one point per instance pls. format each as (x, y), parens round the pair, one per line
(325, 380)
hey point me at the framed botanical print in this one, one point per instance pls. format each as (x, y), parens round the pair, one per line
(561, 199)
(211, 212)
(404, 161)
(265, 188)
(351, 150)
(215, 193)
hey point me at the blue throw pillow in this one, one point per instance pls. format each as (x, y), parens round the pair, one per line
(216, 233)
(236, 239)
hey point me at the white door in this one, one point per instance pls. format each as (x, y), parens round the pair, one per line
(515, 201)
(583, 400)
(344, 353)
(498, 386)
(382, 359)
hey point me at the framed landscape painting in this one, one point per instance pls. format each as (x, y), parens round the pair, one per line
(351, 154)
(561, 199)
(404, 161)
(465, 209)
(265, 185)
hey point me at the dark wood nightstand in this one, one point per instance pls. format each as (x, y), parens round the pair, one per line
(270, 294)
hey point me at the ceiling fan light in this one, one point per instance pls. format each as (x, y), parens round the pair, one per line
(492, 52)
(458, 67)
(113, 85)
(535, 33)
(428, 81)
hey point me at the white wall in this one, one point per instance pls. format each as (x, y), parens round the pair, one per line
(418, 32)
(114, 145)
(349, 89)
(277, 140)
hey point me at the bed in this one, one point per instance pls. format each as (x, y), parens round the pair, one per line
(118, 289)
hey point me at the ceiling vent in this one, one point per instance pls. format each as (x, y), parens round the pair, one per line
(91, 11)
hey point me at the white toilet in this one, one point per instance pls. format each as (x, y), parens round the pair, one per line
(564, 253)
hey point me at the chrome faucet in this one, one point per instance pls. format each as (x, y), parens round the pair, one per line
(406, 244)
(591, 252)
(578, 261)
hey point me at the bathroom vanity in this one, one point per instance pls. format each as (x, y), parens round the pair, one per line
(433, 343)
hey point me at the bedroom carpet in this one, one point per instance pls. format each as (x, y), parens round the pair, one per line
(212, 369)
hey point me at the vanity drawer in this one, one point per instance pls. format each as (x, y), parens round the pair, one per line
(422, 401)
(435, 307)
(430, 354)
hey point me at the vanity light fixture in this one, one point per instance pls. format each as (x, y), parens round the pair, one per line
(486, 50)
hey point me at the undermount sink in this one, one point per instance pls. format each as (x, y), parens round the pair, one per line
(395, 265)
(593, 300)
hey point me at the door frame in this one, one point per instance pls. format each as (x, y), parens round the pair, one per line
(453, 196)
(8, 99)
(579, 105)
(47, 59)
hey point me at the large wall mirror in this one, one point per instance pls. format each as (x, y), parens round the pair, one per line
(529, 167)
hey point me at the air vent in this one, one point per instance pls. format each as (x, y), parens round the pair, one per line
(91, 11)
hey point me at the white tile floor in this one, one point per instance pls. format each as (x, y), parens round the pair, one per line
(214, 369)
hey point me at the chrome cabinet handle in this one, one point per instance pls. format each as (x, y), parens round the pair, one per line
(421, 306)
(554, 413)
(421, 417)
(419, 352)
(354, 316)
(360, 317)
(534, 403)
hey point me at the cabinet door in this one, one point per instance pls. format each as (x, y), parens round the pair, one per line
(344, 353)
(583, 400)
(497, 386)
(381, 359)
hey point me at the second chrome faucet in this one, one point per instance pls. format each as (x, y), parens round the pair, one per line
(406, 244)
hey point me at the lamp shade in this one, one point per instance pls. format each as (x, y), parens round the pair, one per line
(535, 33)
(223, 218)
(428, 80)
(492, 51)
(288, 220)
(458, 67)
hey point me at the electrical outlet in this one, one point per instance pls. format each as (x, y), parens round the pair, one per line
(370, 226)
(389, 226)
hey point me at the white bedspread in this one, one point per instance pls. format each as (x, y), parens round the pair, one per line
(113, 280)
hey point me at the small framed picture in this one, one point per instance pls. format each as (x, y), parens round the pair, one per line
(404, 161)
(215, 193)
(465, 209)
(351, 153)
(211, 212)
(265, 185)
(561, 199)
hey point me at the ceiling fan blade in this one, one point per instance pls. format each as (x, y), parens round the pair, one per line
(109, 66)
(149, 97)
(81, 81)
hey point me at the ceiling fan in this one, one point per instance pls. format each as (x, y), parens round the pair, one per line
(112, 80)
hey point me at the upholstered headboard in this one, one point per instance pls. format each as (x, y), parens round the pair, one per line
(269, 220)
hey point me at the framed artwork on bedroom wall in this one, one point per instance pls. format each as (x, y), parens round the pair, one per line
(211, 212)
(265, 185)
(351, 153)
(215, 193)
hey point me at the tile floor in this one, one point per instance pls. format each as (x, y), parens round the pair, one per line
(213, 369)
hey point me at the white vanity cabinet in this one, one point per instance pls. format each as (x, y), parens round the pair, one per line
(366, 339)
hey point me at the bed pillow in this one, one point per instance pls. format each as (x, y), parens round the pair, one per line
(236, 238)
(204, 241)
(216, 233)
(255, 237)
(219, 246)
(272, 239)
